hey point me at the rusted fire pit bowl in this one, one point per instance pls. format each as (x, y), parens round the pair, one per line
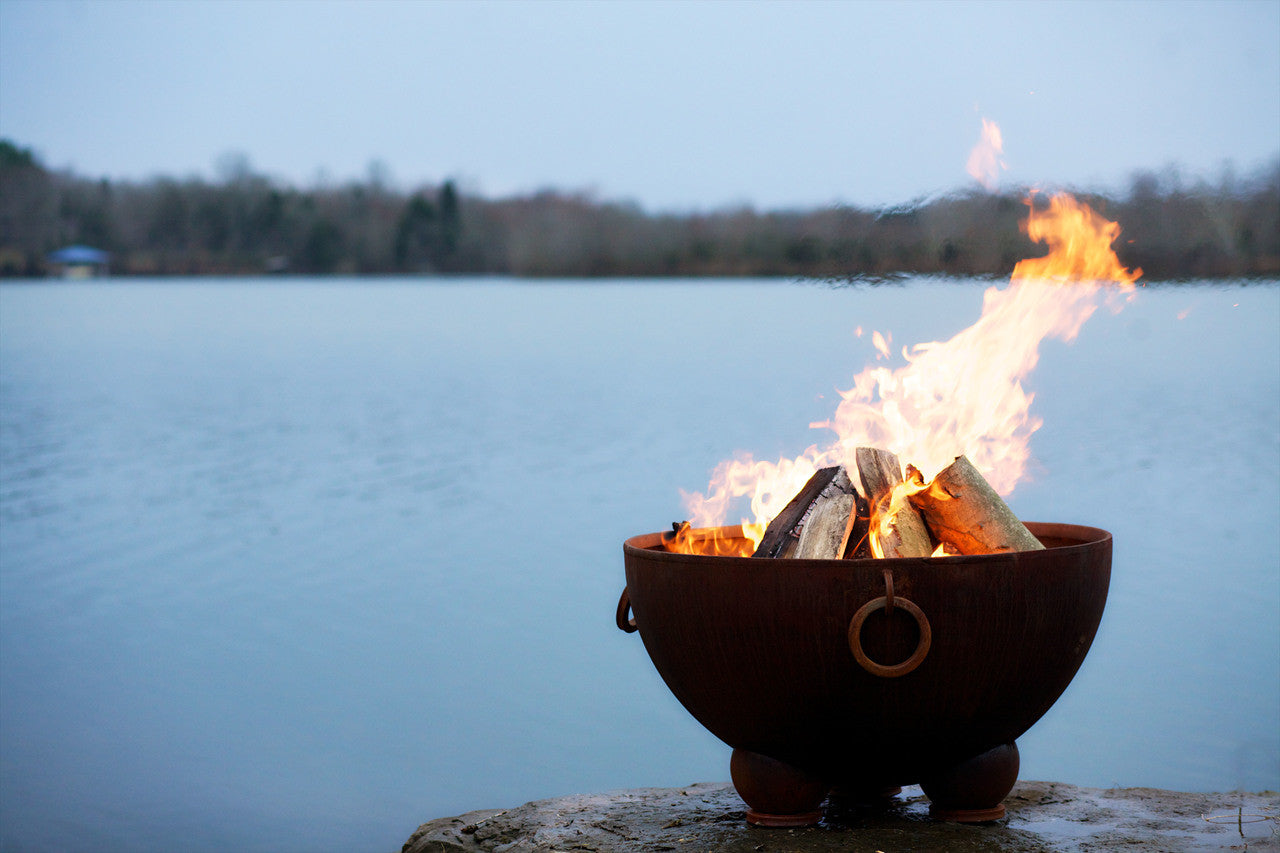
(824, 686)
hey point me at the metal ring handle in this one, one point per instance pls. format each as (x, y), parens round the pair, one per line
(626, 623)
(898, 669)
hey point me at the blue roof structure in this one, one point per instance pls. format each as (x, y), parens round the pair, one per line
(79, 255)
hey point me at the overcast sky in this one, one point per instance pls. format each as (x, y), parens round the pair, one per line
(676, 106)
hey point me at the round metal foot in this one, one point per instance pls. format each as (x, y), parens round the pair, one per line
(756, 818)
(967, 815)
(973, 790)
(776, 793)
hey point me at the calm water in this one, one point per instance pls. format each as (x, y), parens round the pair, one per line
(297, 565)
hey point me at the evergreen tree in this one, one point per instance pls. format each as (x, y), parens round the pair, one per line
(450, 222)
(417, 235)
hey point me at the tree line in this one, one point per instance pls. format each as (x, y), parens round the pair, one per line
(247, 224)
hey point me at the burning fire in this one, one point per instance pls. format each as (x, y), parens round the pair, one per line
(960, 396)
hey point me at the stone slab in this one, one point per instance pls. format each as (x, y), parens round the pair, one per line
(1042, 816)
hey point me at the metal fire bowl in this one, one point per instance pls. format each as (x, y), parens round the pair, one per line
(808, 663)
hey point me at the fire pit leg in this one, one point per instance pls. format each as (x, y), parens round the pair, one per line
(973, 791)
(776, 793)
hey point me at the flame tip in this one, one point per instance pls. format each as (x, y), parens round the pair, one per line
(965, 393)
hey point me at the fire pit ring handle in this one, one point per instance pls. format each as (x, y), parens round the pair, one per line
(625, 622)
(887, 602)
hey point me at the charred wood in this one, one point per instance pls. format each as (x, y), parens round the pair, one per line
(781, 536)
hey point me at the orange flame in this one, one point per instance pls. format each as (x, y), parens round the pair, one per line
(736, 541)
(1079, 242)
(769, 487)
(885, 516)
(960, 396)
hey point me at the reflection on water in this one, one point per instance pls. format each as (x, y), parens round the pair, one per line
(300, 565)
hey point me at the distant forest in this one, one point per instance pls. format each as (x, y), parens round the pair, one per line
(248, 224)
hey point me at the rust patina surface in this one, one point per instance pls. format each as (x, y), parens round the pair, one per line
(872, 674)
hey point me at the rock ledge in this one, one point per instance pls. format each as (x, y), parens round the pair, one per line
(1042, 816)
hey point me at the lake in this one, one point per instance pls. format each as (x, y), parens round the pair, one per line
(298, 564)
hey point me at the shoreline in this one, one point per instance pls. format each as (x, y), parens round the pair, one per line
(892, 279)
(1051, 817)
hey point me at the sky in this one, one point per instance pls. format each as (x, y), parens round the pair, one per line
(675, 106)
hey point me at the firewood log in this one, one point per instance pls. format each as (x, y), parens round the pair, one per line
(962, 509)
(897, 527)
(783, 536)
(879, 470)
(778, 535)
(827, 528)
(857, 543)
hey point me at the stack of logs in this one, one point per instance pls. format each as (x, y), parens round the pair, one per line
(956, 513)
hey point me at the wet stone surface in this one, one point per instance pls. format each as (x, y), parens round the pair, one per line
(1042, 816)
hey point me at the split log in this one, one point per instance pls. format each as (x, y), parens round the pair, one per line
(827, 529)
(857, 542)
(898, 528)
(879, 470)
(903, 533)
(962, 509)
(781, 537)
(777, 534)
(840, 484)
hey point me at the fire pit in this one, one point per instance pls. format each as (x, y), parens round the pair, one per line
(854, 677)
